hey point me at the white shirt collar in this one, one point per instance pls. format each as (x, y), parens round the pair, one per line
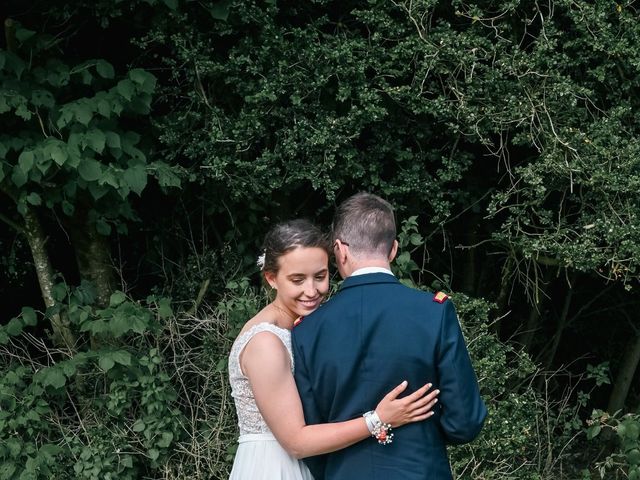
(365, 270)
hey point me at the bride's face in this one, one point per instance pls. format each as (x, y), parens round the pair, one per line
(302, 280)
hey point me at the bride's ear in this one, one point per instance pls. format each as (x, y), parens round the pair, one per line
(270, 278)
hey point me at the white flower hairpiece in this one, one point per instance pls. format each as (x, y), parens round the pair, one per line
(260, 260)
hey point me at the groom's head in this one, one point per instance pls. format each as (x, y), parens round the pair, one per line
(364, 224)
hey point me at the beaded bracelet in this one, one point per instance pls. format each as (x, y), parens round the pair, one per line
(378, 430)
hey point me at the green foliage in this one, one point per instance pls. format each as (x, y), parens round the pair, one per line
(625, 459)
(66, 142)
(110, 410)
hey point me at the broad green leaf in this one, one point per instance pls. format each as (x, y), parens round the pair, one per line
(34, 199)
(104, 108)
(165, 440)
(7, 470)
(83, 113)
(164, 308)
(138, 426)
(121, 357)
(172, 4)
(68, 208)
(102, 227)
(23, 112)
(220, 11)
(29, 316)
(69, 369)
(105, 69)
(136, 178)
(125, 88)
(26, 160)
(53, 376)
(24, 34)
(106, 362)
(90, 169)
(96, 140)
(117, 298)
(15, 327)
(97, 190)
(59, 155)
(42, 98)
(66, 115)
(113, 140)
(18, 177)
(153, 454)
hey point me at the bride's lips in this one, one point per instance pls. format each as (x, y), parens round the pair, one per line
(312, 303)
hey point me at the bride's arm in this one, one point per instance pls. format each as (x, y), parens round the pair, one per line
(266, 363)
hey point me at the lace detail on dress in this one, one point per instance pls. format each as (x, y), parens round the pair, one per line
(249, 418)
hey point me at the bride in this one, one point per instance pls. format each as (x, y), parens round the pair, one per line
(273, 433)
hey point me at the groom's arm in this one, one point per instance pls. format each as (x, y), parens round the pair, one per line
(309, 405)
(463, 411)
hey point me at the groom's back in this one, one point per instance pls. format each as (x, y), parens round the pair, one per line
(371, 336)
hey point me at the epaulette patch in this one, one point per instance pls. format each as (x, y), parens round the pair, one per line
(440, 297)
(297, 321)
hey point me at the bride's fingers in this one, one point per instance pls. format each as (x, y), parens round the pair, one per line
(425, 399)
(393, 394)
(418, 393)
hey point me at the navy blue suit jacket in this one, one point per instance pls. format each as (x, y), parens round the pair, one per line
(373, 334)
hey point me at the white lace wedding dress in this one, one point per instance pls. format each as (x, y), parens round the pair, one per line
(259, 455)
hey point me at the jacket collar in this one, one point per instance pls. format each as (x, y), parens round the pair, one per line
(367, 279)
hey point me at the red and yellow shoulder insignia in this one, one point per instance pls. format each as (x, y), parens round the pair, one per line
(297, 321)
(440, 297)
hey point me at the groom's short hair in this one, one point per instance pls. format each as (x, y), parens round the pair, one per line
(367, 223)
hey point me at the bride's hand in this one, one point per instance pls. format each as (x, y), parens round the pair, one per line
(412, 408)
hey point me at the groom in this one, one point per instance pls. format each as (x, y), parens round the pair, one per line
(374, 333)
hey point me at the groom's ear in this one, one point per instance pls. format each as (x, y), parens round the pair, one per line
(394, 251)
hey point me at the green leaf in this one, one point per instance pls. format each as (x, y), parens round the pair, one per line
(102, 227)
(165, 440)
(117, 298)
(105, 69)
(59, 155)
(83, 113)
(136, 178)
(593, 431)
(18, 177)
(42, 98)
(53, 376)
(121, 357)
(7, 470)
(68, 208)
(164, 308)
(23, 34)
(113, 140)
(104, 108)
(15, 327)
(220, 11)
(172, 4)
(29, 316)
(95, 139)
(153, 454)
(138, 426)
(125, 88)
(106, 362)
(90, 169)
(34, 199)
(26, 161)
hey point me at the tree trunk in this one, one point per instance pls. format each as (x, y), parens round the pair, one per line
(505, 285)
(563, 321)
(625, 375)
(94, 262)
(62, 335)
(535, 315)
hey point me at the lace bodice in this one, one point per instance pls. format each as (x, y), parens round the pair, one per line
(249, 418)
